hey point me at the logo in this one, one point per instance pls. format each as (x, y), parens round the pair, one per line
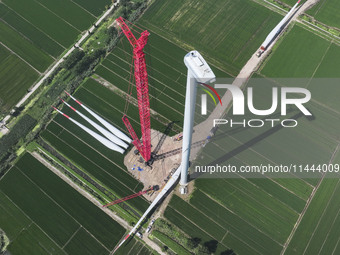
(288, 96)
(204, 97)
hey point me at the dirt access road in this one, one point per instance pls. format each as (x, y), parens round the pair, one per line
(203, 130)
(61, 60)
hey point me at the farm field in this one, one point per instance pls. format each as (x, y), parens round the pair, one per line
(226, 33)
(50, 215)
(319, 59)
(245, 216)
(17, 73)
(259, 214)
(36, 33)
(317, 233)
(327, 12)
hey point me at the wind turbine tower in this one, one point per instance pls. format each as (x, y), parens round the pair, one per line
(198, 72)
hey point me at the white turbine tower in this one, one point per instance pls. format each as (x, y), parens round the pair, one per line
(198, 71)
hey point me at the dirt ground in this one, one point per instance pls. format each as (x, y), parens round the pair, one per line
(161, 169)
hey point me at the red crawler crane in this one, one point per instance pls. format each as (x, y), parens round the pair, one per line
(142, 86)
(154, 188)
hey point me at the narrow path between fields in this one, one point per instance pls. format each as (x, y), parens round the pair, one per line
(285, 246)
(61, 60)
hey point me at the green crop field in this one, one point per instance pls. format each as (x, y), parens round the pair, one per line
(327, 12)
(45, 20)
(291, 2)
(317, 232)
(258, 213)
(293, 58)
(170, 243)
(18, 74)
(24, 48)
(94, 7)
(30, 31)
(227, 33)
(314, 57)
(37, 32)
(73, 14)
(50, 214)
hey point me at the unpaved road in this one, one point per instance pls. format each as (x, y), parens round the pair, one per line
(202, 130)
(61, 60)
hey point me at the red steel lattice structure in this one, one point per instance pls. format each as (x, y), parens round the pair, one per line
(155, 188)
(142, 86)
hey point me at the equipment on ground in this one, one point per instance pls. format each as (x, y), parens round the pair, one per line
(153, 188)
(276, 31)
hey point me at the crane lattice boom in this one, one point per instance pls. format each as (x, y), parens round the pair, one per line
(142, 86)
(155, 188)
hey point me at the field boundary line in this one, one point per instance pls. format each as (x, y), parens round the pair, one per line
(6, 172)
(225, 235)
(181, 46)
(155, 70)
(312, 99)
(24, 226)
(75, 232)
(320, 7)
(152, 57)
(265, 178)
(22, 59)
(28, 39)
(165, 121)
(193, 223)
(228, 231)
(328, 202)
(135, 121)
(59, 205)
(323, 213)
(252, 198)
(308, 184)
(285, 246)
(49, 237)
(88, 196)
(90, 159)
(241, 143)
(153, 77)
(54, 65)
(132, 208)
(336, 246)
(34, 26)
(149, 67)
(231, 211)
(330, 229)
(319, 64)
(150, 96)
(57, 16)
(111, 106)
(132, 247)
(82, 141)
(152, 86)
(84, 9)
